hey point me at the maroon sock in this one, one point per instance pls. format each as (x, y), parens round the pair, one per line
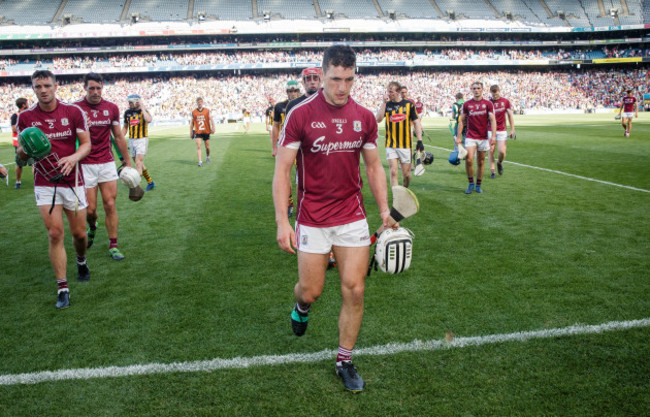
(112, 243)
(63, 284)
(344, 354)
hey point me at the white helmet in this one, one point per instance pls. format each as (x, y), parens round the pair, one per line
(394, 250)
(130, 177)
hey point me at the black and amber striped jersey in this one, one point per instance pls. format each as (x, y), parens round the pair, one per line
(279, 113)
(399, 116)
(138, 127)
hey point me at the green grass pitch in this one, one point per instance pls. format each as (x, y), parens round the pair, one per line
(204, 279)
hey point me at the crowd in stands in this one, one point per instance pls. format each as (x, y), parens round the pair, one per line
(172, 97)
(134, 60)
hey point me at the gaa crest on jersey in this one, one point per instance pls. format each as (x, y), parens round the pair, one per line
(356, 125)
(95, 113)
(64, 121)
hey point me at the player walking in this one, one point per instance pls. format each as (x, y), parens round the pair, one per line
(455, 115)
(478, 114)
(279, 115)
(201, 126)
(399, 114)
(327, 133)
(311, 82)
(63, 124)
(98, 167)
(629, 109)
(502, 108)
(136, 123)
(22, 105)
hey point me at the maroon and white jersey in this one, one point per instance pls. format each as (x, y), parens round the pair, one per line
(61, 127)
(478, 118)
(329, 140)
(628, 104)
(101, 117)
(501, 107)
(419, 107)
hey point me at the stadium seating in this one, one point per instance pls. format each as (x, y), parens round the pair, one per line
(413, 9)
(23, 12)
(352, 9)
(224, 9)
(160, 10)
(94, 11)
(288, 9)
(475, 10)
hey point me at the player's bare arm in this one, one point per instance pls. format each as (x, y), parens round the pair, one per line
(511, 122)
(67, 163)
(145, 113)
(212, 125)
(381, 111)
(191, 127)
(275, 134)
(461, 125)
(120, 142)
(286, 236)
(417, 123)
(377, 182)
(493, 128)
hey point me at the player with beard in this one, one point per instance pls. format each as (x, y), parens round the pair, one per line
(478, 114)
(311, 82)
(99, 166)
(327, 133)
(63, 124)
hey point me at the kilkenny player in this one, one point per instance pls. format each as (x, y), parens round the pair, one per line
(99, 166)
(136, 124)
(399, 114)
(201, 126)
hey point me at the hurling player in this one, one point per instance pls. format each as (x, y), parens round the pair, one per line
(502, 108)
(136, 124)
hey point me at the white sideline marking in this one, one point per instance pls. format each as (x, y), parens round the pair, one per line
(270, 360)
(564, 173)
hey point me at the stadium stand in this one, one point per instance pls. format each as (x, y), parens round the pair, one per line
(288, 9)
(477, 10)
(160, 10)
(413, 9)
(224, 9)
(93, 11)
(352, 9)
(22, 12)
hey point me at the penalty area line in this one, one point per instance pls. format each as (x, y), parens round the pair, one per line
(564, 173)
(272, 360)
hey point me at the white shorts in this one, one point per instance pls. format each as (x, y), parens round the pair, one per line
(138, 146)
(99, 173)
(247, 119)
(629, 115)
(481, 145)
(404, 154)
(501, 135)
(64, 196)
(321, 239)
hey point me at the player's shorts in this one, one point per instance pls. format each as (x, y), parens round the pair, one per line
(204, 136)
(247, 119)
(481, 145)
(321, 239)
(138, 146)
(99, 173)
(627, 115)
(64, 196)
(403, 154)
(501, 135)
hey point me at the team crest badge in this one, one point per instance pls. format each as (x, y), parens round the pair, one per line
(304, 240)
(64, 121)
(105, 112)
(357, 125)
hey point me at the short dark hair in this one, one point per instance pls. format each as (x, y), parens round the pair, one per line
(93, 76)
(21, 102)
(459, 96)
(39, 74)
(494, 88)
(339, 56)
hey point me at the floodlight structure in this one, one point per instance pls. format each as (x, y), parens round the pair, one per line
(508, 15)
(392, 15)
(329, 14)
(613, 13)
(266, 14)
(201, 15)
(135, 18)
(67, 18)
(561, 14)
(451, 14)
